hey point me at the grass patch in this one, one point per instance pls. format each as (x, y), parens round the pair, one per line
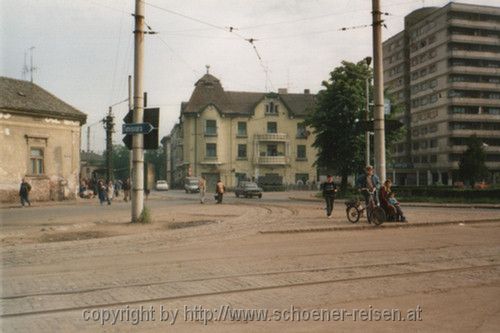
(145, 216)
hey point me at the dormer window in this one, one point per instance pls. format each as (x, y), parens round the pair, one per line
(272, 108)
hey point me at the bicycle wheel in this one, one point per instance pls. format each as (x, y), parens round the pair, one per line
(378, 216)
(352, 214)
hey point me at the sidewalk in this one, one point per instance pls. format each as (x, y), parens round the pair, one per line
(311, 196)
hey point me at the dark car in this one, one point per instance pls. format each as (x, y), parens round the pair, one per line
(248, 190)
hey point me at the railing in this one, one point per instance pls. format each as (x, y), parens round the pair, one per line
(272, 137)
(272, 160)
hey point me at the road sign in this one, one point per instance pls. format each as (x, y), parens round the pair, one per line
(137, 128)
(151, 116)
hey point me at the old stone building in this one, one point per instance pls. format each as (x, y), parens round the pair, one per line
(40, 137)
(242, 135)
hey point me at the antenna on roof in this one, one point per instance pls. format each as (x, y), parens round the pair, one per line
(30, 69)
(208, 68)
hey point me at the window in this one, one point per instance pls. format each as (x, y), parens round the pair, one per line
(433, 143)
(433, 158)
(272, 150)
(36, 159)
(211, 127)
(242, 129)
(272, 127)
(242, 151)
(301, 131)
(272, 108)
(301, 152)
(211, 150)
(415, 145)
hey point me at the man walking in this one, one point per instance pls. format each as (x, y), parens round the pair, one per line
(126, 190)
(24, 191)
(329, 188)
(202, 185)
(219, 191)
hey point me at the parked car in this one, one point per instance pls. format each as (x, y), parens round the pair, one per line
(161, 185)
(248, 190)
(191, 185)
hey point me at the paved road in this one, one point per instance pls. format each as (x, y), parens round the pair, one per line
(216, 257)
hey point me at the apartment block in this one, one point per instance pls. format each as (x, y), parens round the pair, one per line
(444, 71)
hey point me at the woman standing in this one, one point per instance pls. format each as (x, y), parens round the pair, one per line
(110, 192)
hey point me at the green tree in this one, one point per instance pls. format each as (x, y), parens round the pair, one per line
(157, 158)
(121, 161)
(339, 107)
(472, 165)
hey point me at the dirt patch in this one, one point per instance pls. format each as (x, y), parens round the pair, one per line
(71, 236)
(188, 224)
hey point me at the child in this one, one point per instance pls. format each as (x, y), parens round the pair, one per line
(393, 201)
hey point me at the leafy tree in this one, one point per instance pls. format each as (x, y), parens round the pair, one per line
(121, 161)
(472, 165)
(339, 107)
(157, 158)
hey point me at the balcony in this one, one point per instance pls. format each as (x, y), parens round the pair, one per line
(475, 70)
(272, 137)
(272, 160)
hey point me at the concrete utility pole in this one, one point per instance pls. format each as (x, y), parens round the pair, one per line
(138, 139)
(378, 112)
(368, 61)
(130, 107)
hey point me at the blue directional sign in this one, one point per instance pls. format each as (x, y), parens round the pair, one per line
(137, 128)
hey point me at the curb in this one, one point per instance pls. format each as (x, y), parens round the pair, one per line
(390, 225)
(416, 204)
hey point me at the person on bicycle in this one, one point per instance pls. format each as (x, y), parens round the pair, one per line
(368, 184)
(329, 188)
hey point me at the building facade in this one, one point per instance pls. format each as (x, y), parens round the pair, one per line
(40, 137)
(444, 70)
(242, 135)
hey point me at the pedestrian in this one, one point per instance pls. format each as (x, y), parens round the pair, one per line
(101, 190)
(329, 189)
(110, 192)
(368, 184)
(202, 185)
(24, 192)
(126, 189)
(118, 187)
(219, 191)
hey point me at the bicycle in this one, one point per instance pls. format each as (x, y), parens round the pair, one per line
(374, 213)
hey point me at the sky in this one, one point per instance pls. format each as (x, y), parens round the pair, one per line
(83, 49)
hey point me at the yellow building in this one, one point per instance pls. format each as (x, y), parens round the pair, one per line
(243, 135)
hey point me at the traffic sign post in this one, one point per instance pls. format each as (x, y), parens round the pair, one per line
(137, 128)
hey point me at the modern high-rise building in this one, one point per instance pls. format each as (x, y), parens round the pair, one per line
(444, 71)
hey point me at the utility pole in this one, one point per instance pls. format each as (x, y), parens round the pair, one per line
(368, 61)
(88, 139)
(130, 107)
(108, 121)
(378, 112)
(138, 139)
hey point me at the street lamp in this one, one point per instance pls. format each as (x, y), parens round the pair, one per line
(368, 61)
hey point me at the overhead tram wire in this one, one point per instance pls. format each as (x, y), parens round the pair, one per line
(229, 29)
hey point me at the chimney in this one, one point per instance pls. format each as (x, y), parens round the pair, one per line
(282, 91)
(306, 91)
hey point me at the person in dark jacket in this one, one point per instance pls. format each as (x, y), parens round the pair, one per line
(329, 189)
(24, 191)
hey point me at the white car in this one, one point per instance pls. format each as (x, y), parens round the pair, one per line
(161, 185)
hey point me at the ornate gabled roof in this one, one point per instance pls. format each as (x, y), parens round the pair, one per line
(19, 96)
(209, 91)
